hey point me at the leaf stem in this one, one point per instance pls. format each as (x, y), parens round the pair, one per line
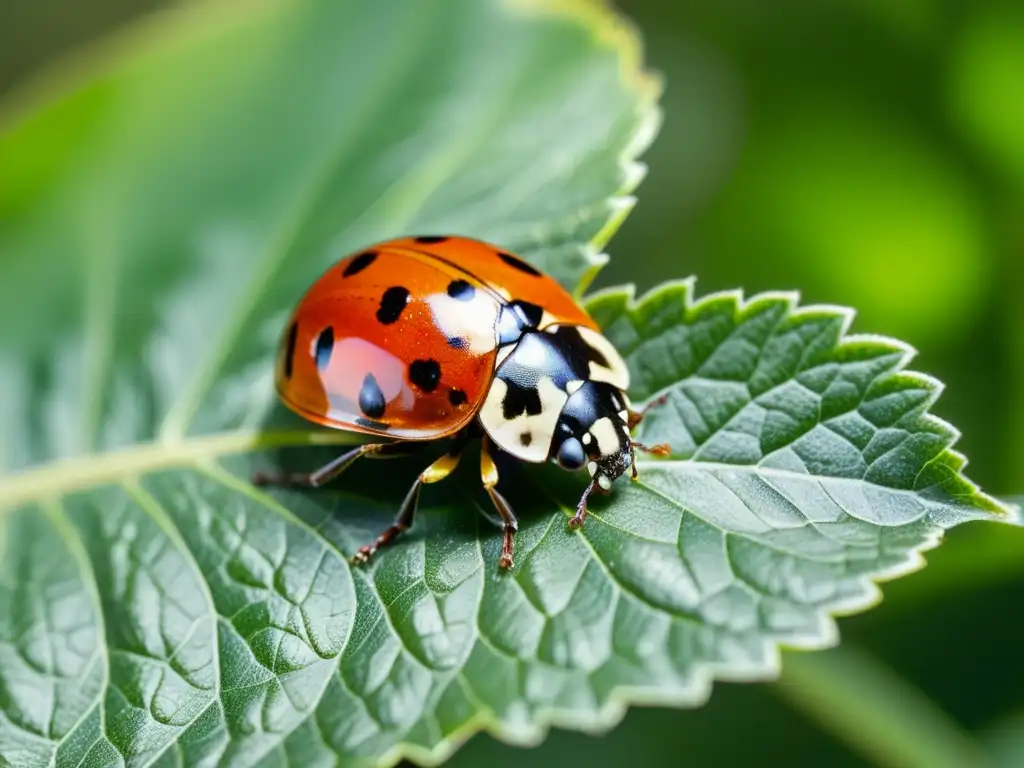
(875, 711)
(48, 481)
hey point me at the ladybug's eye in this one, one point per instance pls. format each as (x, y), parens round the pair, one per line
(571, 455)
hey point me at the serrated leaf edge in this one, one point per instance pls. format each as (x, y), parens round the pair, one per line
(683, 288)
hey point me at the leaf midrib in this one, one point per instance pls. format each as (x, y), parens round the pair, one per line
(54, 479)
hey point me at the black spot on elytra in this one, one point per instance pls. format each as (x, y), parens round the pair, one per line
(392, 303)
(425, 374)
(371, 399)
(525, 439)
(519, 399)
(456, 397)
(461, 290)
(289, 352)
(431, 239)
(359, 263)
(515, 261)
(324, 347)
(458, 342)
(516, 318)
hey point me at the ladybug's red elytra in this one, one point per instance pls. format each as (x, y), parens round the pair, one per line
(421, 338)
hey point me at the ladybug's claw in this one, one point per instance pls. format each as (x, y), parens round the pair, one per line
(364, 553)
(437, 471)
(489, 476)
(362, 556)
(576, 521)
(660, 449)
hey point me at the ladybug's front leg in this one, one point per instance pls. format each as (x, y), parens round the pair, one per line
(577, 520)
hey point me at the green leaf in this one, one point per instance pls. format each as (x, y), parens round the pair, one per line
(157, 219)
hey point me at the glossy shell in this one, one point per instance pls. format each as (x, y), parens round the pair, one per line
(401, 339)
(506, 274)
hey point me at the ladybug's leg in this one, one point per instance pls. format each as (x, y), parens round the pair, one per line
(438, 470)
(333, 468)
(660, 449)
(635, 417)
(576, 520)
(489, 476)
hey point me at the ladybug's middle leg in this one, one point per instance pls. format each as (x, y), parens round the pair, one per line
(334, 467)
(635, 417)
(438, 470)
(489, 475)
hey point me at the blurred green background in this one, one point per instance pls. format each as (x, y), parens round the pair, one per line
(869, 154)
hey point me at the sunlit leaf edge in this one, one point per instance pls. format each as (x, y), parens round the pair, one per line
(614, 31)
(969, 496)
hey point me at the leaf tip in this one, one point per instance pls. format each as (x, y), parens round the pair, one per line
(612, 31)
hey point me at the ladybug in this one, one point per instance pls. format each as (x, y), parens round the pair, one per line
(421, 338)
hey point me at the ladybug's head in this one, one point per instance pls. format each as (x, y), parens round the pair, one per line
(593, 432)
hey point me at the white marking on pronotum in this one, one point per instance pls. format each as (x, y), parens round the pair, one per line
(506, 432)
(616, 372)
(606, 435)
(587, 438)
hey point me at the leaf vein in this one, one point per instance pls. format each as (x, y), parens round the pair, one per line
(59, 517)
